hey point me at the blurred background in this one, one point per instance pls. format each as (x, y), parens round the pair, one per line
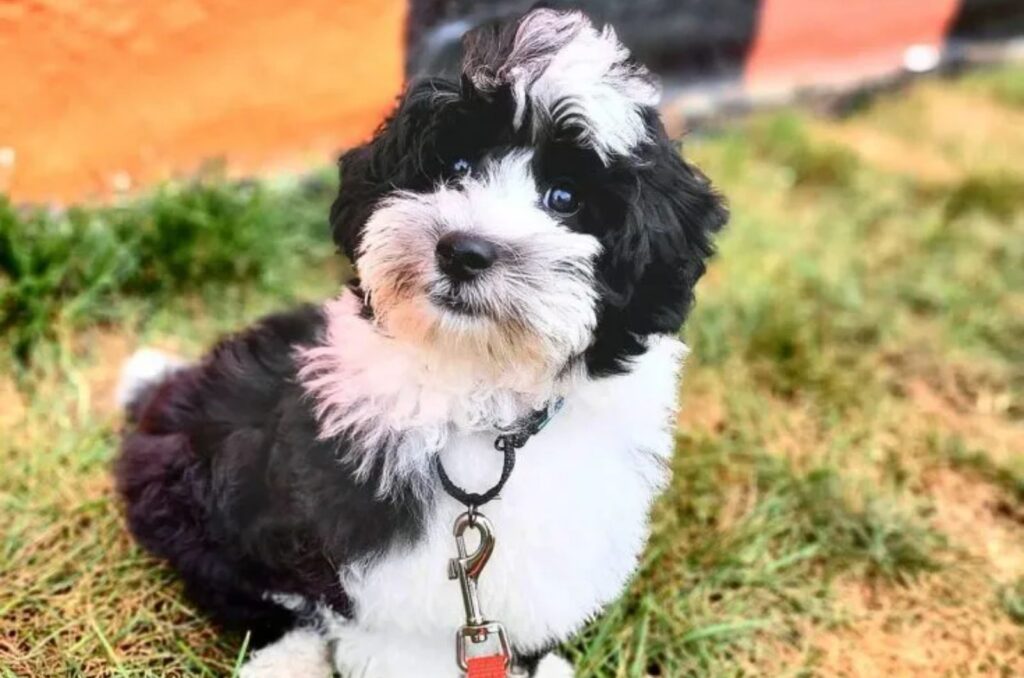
(849, 483)
(102, 97)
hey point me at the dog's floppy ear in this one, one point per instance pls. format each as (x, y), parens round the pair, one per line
(680, 197)
(368, 172)
(400, 154)
(356, 196)
(661, 252)
(651, 264)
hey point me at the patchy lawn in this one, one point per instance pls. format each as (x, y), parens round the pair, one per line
(849, 484)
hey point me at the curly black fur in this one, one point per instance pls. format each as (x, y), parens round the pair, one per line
(224, 477)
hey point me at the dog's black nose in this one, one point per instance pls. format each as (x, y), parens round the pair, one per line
(463, 256)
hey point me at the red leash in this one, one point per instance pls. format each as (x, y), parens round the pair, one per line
(493, 666)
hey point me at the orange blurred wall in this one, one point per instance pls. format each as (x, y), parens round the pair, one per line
(98, 95)
(803, 42)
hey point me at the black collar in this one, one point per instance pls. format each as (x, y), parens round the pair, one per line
(524, 428)
(507, 442)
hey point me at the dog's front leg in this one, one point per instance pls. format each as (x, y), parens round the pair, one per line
(301, 653)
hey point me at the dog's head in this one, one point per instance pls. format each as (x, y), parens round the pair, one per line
(532, 213)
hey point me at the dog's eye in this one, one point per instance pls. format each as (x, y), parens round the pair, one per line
(561, 198)
(461, 167)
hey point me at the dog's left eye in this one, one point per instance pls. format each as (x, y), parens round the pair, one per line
(461, 167)
(562, 198)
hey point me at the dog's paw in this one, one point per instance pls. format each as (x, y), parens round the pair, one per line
(553, 666)
(301, 653)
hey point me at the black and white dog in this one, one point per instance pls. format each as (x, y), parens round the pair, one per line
(524, 236)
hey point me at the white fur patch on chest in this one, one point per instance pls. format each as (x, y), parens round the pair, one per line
(569, 525)
(402, 402)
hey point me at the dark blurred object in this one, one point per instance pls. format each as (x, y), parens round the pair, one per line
(684, 39)
(720, 58)
(988, 20)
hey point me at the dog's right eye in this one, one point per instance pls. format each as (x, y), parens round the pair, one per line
(461, 167)
(562, 198)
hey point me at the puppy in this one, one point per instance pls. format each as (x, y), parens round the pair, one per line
(525, 237)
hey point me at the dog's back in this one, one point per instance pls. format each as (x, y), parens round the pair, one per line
(193, 467)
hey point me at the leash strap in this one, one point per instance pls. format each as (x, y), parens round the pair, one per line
(494, 666)
(467, 566)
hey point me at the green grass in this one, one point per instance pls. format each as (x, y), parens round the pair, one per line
(71, 267)
(1011, 597)
(851, 436)
(1006, 85)
(703, 592)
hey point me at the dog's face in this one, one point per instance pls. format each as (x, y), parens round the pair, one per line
(533, 214)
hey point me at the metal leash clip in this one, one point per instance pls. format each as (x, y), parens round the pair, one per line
(467, 568)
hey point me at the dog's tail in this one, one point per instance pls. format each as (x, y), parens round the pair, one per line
(143, 371)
